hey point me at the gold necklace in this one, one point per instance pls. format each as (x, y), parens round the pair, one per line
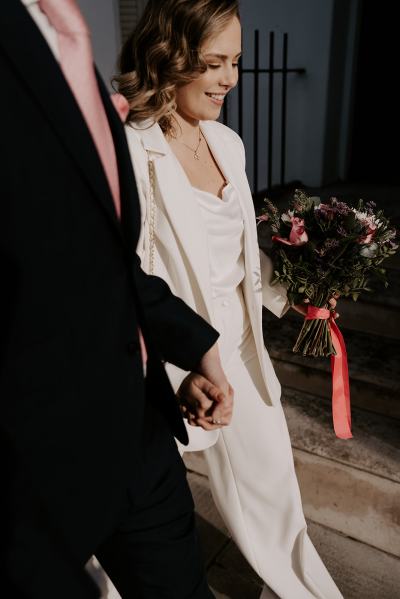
(195, 154)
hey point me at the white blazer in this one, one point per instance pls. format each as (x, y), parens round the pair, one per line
(181, 238)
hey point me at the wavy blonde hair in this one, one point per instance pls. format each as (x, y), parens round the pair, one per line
(164, 52)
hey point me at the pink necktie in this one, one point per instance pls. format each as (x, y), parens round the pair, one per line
(76, 61)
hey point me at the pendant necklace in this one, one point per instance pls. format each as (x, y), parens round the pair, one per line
(195, 154)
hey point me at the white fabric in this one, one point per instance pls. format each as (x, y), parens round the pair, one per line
(181, 239)
(250, 463)
(48, 32)
(224, 224)
(252, 475)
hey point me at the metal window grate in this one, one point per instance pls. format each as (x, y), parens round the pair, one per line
(267, 104)
(129, 13)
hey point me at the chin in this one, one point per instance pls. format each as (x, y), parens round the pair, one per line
(210, 115)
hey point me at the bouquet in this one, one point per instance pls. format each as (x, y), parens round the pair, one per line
(322, 250)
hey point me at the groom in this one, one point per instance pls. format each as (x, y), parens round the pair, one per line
(89, 463)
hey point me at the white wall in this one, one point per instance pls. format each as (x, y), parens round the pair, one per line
(322, 37)
(103, 19)
(308, 25)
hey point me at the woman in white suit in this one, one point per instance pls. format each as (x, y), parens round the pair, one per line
(199, 234)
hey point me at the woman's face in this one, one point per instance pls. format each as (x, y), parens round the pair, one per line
(203, 98)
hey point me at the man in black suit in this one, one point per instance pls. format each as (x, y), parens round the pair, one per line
(89, 462)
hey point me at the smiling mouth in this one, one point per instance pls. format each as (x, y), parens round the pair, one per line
(217, 98)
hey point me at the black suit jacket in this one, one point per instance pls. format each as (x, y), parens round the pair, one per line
(73, 295)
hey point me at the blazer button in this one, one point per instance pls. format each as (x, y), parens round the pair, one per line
(133, 347)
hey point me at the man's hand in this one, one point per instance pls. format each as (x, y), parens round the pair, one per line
(204, 404)
(211, 369)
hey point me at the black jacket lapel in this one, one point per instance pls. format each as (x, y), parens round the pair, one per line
(130, 205)
(28, 51)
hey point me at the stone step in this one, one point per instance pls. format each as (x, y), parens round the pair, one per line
(384, 296)
(371, 318)
(360, 571)
(377, 312)
(373, 364)
(350, 486)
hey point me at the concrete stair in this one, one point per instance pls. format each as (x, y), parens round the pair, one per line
(373, 364)
(351, 486)
(376, 313)
(360, 571)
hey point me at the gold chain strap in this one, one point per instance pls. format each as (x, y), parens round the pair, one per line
(152, 217)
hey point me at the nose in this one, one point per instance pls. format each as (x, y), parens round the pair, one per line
(229, 76)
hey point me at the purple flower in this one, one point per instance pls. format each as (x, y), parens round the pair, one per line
(325, 212)
(340, 207)
(331, 244)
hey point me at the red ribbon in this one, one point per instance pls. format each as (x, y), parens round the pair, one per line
(341, 411)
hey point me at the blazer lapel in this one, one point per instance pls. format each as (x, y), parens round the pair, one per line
(229, 162)
(130, 205)
(181, 207)
(28, 51)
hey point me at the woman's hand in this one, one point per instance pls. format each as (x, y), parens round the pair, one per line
(302, 308)
(204, 404)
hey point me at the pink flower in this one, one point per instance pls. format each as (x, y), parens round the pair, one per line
(298, 235)
(369, 235)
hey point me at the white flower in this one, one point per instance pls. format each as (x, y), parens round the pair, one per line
(369, 251)
(367, 219)
(287, 217)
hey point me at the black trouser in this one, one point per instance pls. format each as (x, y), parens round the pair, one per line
(155, 553)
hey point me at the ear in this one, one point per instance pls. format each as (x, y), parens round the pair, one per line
(121, 105)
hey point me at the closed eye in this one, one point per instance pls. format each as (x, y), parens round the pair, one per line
(216, 66)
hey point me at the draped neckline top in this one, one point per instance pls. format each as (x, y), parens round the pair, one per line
(224, 224)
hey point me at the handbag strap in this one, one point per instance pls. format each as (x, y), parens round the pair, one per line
(152, 217)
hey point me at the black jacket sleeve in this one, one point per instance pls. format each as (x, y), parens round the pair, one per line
(180, 335)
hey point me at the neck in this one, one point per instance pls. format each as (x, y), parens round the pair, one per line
(186, 127)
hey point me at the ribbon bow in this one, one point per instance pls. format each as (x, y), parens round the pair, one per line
(341, 411)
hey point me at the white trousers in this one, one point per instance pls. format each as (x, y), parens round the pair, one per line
(252, 476)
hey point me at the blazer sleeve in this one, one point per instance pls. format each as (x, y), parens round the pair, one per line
(274, 297)
(180, 335)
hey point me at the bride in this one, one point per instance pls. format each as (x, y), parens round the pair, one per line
(199, 234)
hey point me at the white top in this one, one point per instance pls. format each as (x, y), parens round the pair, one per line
(225, 227)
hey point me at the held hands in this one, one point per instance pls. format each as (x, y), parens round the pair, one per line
(206, 396)
(204, 404)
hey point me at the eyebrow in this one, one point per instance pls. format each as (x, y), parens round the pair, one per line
(222, 56)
